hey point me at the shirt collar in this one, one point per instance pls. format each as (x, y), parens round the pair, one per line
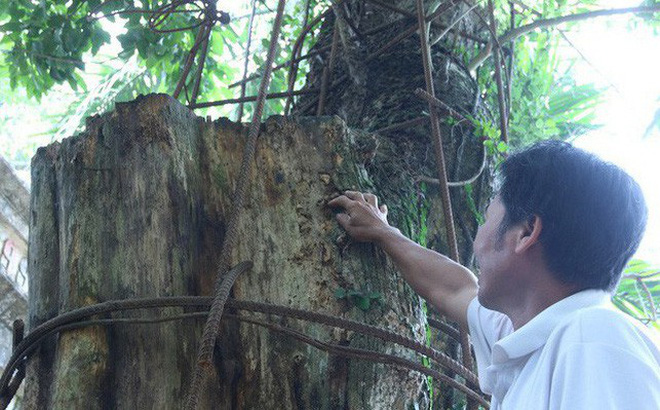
(536, 332)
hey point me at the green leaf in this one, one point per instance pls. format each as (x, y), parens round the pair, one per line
(16, 14)
(98, 38)
(11, 26)
(363, 303)
(72, 82)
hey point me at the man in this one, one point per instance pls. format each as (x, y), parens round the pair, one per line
(554, 243)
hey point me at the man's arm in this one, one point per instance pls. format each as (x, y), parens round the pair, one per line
(444, 283)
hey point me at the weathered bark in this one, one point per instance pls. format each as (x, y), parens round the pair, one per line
(379, 91)
(136, 206)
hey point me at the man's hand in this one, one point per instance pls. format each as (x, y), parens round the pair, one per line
(362, 218)
(446, 284)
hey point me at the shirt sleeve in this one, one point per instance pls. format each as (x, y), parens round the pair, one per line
(486, 327)
(600, 376)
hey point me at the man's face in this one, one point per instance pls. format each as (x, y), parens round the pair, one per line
(493, 252)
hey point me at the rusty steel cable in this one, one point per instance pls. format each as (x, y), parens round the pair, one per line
(491, 27)
(314, 100)
(509, 64)
(361, 328)
(431, 18)
(207, 343)
(444, 106)
(207, 14)
(68, 321)
(439, 104)
(200, 63)
(18, 332)
(260, 307)
(297, 51)
(368, 355)
(327, 70)
(442, 174)
(470, 180)
(287, 63)
(251, 98)
(190, 58)
(293, 68)
(41, 331)
(394, 41)
(446, 328)
(411, 30)
(498, 74)
(212, 326)
(436, 135)
(453, 23)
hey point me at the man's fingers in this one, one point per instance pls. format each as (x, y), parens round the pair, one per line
(371, 199)
(354, 195)
(340, 201)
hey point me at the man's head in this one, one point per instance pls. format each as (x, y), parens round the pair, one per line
(593, 214)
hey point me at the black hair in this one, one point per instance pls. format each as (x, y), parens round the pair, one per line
(593, 213)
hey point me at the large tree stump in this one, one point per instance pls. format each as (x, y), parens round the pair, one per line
(136, 206)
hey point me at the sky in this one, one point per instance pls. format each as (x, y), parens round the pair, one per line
(627, 62)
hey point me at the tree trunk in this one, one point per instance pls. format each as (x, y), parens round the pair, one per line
(373, 88)
(378, 91)
(136, 207)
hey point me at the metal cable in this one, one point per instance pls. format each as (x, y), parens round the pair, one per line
(37, 335)
(368, 355)
(205, 352)
(212, 326)
(71, 323)
(442, 172)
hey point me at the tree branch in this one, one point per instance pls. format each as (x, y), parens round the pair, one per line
(519, 31)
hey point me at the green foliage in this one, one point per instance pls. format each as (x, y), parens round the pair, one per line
(49, 43)
(638, 293)
(491, 136)
(545, 101)
(43, 42)
(362, 299)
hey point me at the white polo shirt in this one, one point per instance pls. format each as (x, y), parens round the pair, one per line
(580, 353)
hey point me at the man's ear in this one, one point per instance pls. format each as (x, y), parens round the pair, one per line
(529, 233)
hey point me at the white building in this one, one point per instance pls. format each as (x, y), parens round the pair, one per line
(14, 223)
